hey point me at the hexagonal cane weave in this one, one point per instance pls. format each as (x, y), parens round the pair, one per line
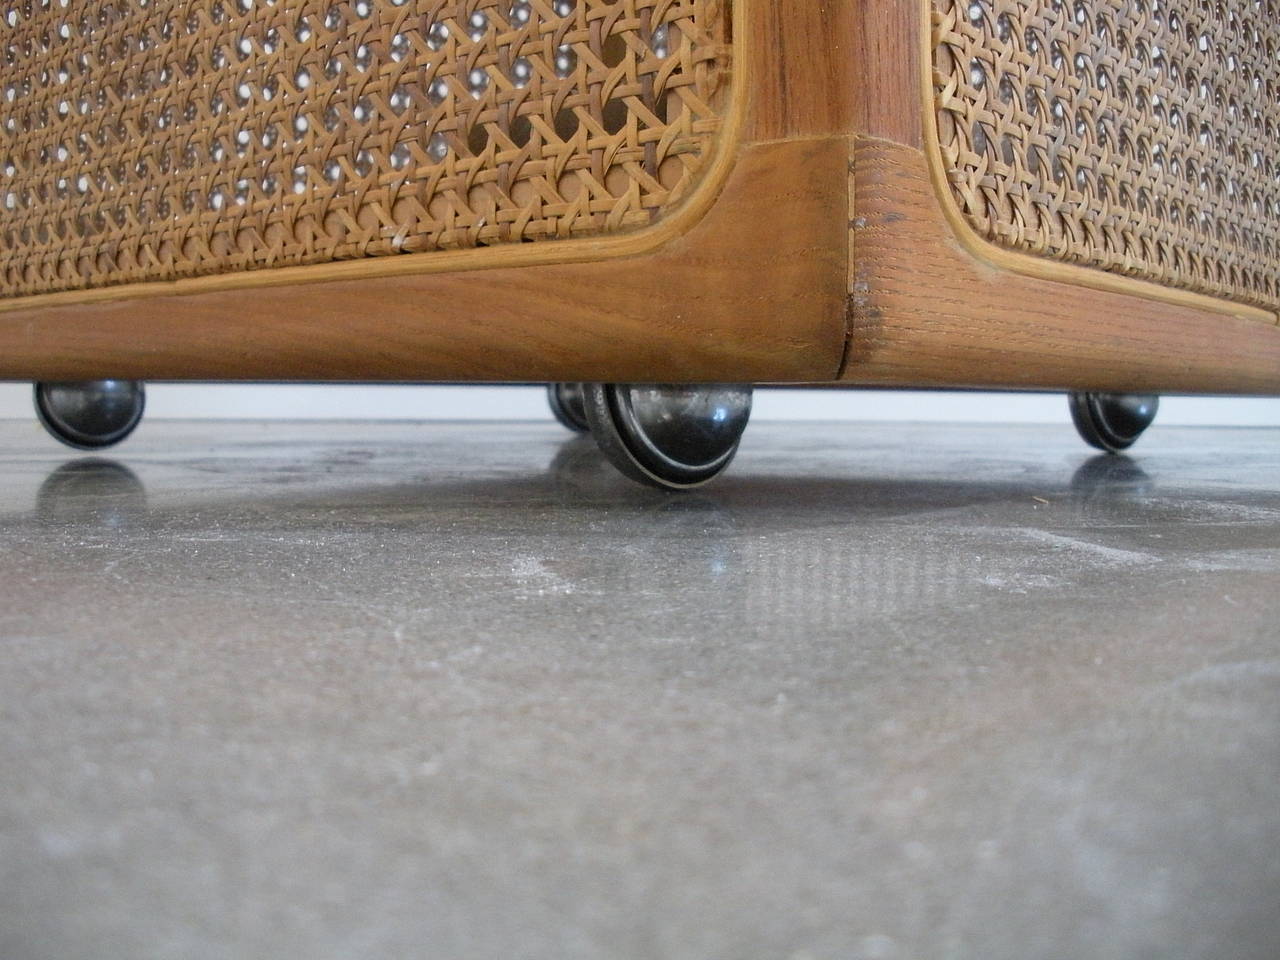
(1136, 136)
(157, 139)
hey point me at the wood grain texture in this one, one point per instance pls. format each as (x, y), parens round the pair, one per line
(800, 63)
(886, 62)
(926, 312)
(756, 290)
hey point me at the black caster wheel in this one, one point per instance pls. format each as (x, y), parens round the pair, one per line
(565, 400)
(1113, 421)
(90, 415)
(671, 436)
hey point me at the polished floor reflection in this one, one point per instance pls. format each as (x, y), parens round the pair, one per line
(336, 690)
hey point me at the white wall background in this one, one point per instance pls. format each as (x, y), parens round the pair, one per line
(239, 402)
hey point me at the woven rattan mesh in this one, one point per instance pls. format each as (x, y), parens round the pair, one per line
(157, 139)
(1137, 136)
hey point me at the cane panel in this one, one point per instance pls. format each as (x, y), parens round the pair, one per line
(1135, 136)
(158, 139)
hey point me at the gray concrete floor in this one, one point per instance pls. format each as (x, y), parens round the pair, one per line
(364, 691)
